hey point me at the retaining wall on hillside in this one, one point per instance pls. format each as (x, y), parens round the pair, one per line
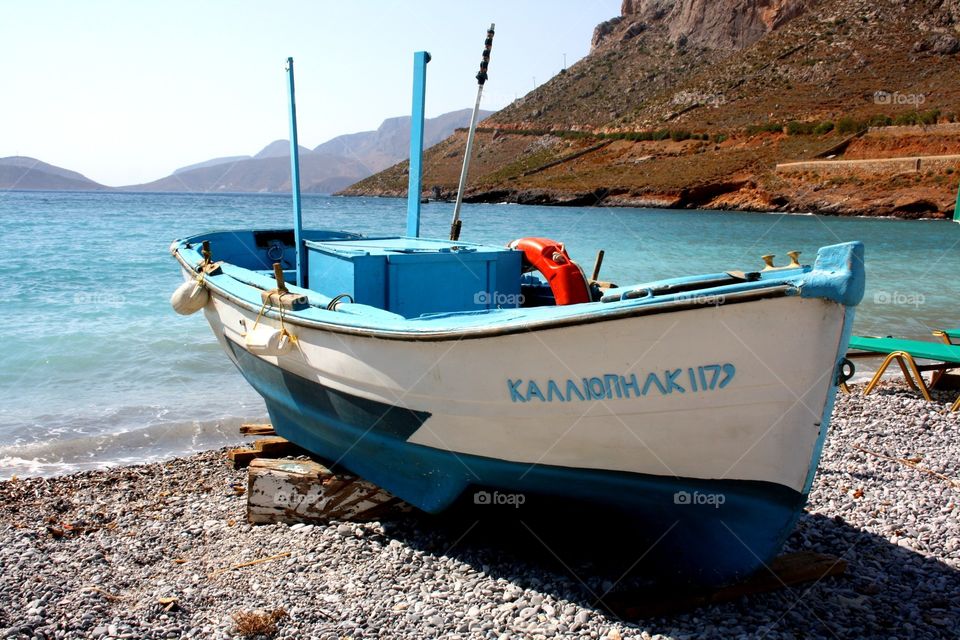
(910, 164)
(914, 130)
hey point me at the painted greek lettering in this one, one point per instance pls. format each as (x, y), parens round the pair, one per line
(533, 391)
(672, 381)
(652, 378)
(554, 390)
(572, 387)
(515, 395)
(612, 384)
(597, 392)
(630, 385)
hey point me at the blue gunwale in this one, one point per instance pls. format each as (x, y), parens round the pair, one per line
(243, 286)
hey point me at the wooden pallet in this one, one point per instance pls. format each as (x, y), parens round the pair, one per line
(784, 571)
(306, 491)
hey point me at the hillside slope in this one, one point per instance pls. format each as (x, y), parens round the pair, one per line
(21, 172)
(696, 102)
(390, 142)
(318, 174)
(329, 167)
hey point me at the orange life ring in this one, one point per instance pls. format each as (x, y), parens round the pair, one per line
(564, 276)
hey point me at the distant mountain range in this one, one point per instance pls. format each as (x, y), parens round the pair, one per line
(330, 167)
(21, 172)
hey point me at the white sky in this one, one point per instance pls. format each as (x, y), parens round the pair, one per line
(126, 92)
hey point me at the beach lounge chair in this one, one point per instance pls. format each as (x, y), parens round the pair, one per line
(906, 353)
(949, 336)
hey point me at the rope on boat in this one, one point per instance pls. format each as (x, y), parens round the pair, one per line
(332, 305)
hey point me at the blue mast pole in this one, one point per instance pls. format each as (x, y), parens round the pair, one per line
(295, 181)
(420, 60)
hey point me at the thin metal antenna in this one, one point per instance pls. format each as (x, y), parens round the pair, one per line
(481, 78)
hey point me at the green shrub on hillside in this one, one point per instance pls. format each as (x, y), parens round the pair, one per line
(906, 119)
(928, 117)
(824, 127)
(768, 127)
(795, 128)
(847, 125)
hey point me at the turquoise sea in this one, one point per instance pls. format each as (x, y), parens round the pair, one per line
(96, 369)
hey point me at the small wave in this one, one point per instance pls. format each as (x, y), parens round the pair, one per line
(160, 441)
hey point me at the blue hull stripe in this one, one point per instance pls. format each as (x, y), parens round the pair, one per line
(316, 399)
(708, 531)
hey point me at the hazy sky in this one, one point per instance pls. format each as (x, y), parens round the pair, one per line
(126, 92)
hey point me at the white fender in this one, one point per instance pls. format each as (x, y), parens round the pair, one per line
(268, 341)
(189, 298)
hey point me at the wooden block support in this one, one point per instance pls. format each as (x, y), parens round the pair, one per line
(785, 571)
(257, 430)
(264, 447)
(306, 491)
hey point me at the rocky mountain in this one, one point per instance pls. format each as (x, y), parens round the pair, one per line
(697, 102)
(319, 173)
(279, 149)
(21, 172)
(210, 163)
(711, 24)
(329, 167)
(391, 141)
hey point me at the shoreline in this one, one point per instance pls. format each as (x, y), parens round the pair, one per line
(100, 553)
(546, 198)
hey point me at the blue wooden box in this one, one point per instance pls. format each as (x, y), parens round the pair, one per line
(414, 276)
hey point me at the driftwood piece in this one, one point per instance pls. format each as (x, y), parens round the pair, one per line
(306, 491)
(785, 571)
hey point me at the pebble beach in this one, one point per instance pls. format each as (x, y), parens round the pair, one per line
(163, 551)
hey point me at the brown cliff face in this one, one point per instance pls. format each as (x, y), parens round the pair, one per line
(712, 24)
(694, 103)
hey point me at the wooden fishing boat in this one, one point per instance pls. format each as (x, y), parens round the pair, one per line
(442, 370)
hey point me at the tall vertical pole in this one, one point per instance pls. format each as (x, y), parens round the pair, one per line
(420, 60)
(956, 208)
(481, 78)
(295, 181)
